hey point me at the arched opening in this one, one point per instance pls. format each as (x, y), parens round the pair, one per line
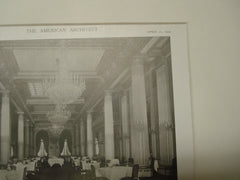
(42, 134)
(66, 134)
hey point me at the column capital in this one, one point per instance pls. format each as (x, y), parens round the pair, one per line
(20, 112)
(108, 92)
(27, 122)
(31, 125)
(124, 92)
(90, 111)
(5, 92)
(139, 59)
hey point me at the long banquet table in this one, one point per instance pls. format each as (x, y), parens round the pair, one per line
(115, 172)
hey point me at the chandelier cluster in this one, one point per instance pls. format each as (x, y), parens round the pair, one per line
(56, 129)
(59, 116)
(64, 88)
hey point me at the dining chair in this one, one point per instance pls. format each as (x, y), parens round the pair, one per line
(135, 170)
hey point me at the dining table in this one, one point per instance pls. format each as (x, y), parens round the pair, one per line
(114, 173)
(87, 165)
(17, 174)
(3, 174)
(31, 166)
(53, 161)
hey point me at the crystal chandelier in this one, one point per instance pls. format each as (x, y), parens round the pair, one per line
(59, 116)
(56, 129)
(64, 88)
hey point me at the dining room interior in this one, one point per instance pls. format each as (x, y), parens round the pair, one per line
(87, 108)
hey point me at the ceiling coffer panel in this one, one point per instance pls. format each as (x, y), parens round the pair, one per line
(44, 59)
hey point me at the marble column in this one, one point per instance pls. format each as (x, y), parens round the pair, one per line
(32, 140)
(108, 126)
(153, 117)
(20, 135)
(73, 141)
(125, 125)
(139, 124)
(89, 135)
(82, 137)
(165, 113)
(5, 128)
(27, 137)
(77, 137)
(101, 142)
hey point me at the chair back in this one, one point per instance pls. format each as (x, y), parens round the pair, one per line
(135, 170)
(93, 172)
(130, 161)
(24, 175)
(174, 163)
(56, 166)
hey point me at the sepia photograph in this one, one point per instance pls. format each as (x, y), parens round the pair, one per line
(86, 102)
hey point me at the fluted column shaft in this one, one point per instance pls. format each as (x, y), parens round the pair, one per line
(82, 137)
(73, 140)
(139, 125)
(165, 113)
(125, 126)
(32, 140)
(20, 135)
(101, 143)
(77, 138)
(5, 129)
(89, 135)
(108, 126)
(27, 137)
(154, 117)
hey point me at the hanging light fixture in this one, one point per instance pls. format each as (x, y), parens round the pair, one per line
(63, 88)
(56, 129)
(59, 116)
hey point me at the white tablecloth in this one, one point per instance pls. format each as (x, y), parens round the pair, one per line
(52, 161)
(3, 174)
(76, 162)
(115, 172)
(113, 162)
(12, 175)
(31, 166)
(87, 166)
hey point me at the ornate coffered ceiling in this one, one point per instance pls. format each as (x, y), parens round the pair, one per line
(44, 59)
(103, 62)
